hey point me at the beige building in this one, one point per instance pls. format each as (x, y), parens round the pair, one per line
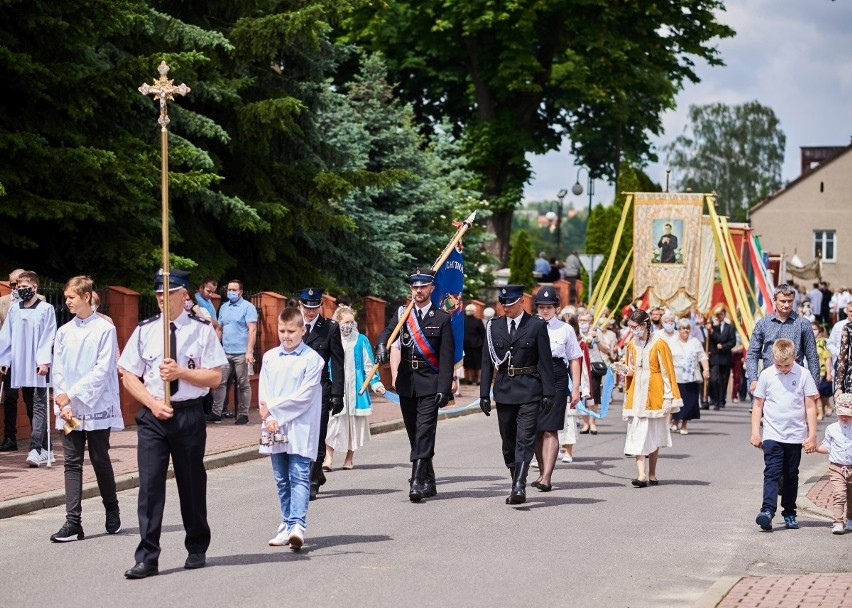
(812, 215)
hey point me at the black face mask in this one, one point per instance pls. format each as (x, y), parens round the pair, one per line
(26, 293)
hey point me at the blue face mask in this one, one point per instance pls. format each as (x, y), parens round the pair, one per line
(233, 296)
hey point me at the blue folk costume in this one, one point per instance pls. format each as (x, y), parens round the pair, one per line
(350, 429)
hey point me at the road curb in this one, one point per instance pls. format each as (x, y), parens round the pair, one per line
(54, 498)
(717, 592)
(813, 475)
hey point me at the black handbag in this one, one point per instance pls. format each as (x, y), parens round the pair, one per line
(599, 368)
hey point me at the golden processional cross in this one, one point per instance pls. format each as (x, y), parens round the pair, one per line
(164, 89)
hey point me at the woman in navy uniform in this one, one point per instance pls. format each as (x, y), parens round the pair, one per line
(323, 335)
(517, 356)
(178, 429)
(425, 377)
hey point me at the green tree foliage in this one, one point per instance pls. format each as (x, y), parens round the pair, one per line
(406, 221)
(604, 224)
(735, 151)
(521, 261)
(520, 76)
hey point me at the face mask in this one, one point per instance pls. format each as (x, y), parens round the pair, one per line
(669, 327)
(816, 333)
(187, 305)
(15, 295)
(346, 328)
(584, 327)
(26, 293)
(638, 333)
(233, 296)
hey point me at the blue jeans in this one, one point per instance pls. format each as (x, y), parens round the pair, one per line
(293, 477)
(781, 461)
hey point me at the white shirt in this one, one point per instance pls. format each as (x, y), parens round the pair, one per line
(833, 342)
(26, 341)
(563, 340)
(686, 357)
(838, 440)
(84, 368)
(517, 321)
(784, 417)
(290, 385)
(197, 348)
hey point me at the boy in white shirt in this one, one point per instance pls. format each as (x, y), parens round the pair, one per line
(85, 387)
(838, 445)
(26, 344)
(290, 394)
(785, 399)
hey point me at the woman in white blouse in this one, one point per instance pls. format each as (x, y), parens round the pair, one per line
(691, 367)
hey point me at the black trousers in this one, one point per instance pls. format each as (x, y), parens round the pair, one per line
(10, 409)
(517, 430)
(317, 475)
(183, 437)
(420, 415)
(74, 446)
(719, 375)
(781, 462)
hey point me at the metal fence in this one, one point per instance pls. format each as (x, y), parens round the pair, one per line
(54, 294)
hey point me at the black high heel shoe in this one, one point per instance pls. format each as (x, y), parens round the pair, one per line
(585, 431)
(593, 431)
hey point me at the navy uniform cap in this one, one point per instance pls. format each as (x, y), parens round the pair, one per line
(419, 277)
(509, 294)
(177, 279)
(310, 297)
(546, 295)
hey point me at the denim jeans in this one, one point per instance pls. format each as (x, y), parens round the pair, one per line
(293, 477)
(781, 461)
(240, 367)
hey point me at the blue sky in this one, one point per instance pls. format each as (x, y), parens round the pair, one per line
(794, 56)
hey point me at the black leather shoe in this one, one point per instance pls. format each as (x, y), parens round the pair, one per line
(639, 483)
(429, 486)
(195, 560)
(141, 570)
(418, 475)
(545, 487)
(9, 445)
(314, 491)
(519, 484)
(716, 408)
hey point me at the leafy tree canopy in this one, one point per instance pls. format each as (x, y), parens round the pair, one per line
(735, 151)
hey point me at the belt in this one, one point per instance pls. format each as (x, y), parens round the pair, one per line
(179, 405)
(416, 363)
(510, 370)
(559, 360)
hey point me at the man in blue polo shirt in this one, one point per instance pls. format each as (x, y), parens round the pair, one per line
(238, 320)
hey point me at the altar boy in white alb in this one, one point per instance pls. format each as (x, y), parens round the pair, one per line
(85, 388)
(290, 394)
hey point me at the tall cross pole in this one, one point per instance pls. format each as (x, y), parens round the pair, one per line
(164, 89)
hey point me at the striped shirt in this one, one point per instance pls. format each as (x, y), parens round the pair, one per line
(769, 329)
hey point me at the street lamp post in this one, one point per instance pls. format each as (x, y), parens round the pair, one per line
(561, 196)
(577, 190)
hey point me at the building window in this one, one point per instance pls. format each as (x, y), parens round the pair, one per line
(824, 245)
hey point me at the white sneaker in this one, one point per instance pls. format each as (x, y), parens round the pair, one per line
(281, 538)
(849, 525)
(684, 432)
(673, 428)
(838, 528)
(297, 537)
(567, 459)
(37, 459)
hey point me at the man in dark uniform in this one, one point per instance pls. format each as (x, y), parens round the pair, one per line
(668, 246)
(723, 338)
(323, 335)
(177, 430)
(517, 344)
(424, 380)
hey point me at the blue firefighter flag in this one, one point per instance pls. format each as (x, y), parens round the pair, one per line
(449, 285)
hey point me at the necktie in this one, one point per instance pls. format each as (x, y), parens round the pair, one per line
(173, 385)
(512, 328)
(419, 316)
(307, 329)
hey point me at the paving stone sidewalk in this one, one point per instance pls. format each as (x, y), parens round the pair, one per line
(788, 591)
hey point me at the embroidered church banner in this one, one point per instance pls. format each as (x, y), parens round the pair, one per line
(667, 255)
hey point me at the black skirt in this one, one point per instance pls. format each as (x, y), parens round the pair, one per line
(689, 392)
(554, 420)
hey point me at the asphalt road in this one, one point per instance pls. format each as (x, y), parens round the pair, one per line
(593, 541)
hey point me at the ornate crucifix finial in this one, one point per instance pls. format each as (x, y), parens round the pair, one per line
(164, 90)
